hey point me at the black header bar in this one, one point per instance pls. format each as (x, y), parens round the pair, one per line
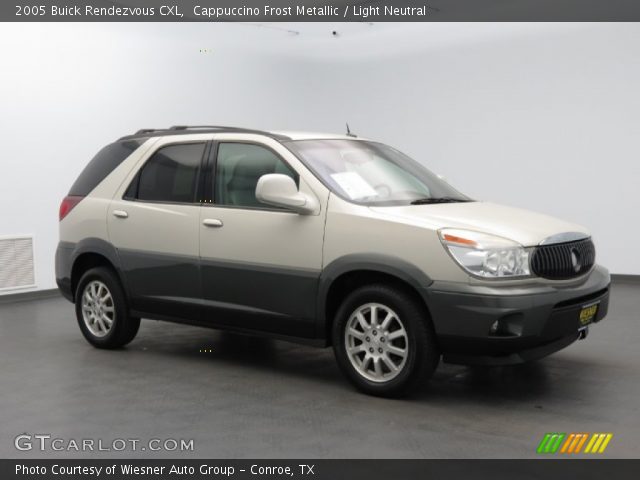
(320, 11)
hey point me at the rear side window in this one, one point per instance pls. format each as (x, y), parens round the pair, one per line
(105, 161)
(170, 175)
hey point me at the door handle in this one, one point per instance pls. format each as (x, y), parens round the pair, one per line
(212, 222)
(120, 214)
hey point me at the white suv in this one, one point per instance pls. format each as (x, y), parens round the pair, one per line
(321, 239)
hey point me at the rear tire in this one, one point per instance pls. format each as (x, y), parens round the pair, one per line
(101, 310)
(384, 341)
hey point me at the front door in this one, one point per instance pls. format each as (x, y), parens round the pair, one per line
(260, 264)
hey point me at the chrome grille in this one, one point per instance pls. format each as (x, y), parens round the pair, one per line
(563, 260)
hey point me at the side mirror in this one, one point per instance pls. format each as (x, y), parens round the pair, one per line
(281, 191)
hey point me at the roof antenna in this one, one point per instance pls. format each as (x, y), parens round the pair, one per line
(349, 134)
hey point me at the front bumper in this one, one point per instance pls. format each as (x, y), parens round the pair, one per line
(532, 322)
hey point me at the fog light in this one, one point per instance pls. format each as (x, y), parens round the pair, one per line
(494, 328)
(508, 326)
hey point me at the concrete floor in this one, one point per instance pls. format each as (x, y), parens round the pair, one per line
(256, 398)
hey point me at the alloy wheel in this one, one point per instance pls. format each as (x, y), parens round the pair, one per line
(377, 342)
(98, 311)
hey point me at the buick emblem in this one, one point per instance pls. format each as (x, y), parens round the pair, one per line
(575, 260)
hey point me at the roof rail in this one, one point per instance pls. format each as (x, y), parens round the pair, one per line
(182, 129)
(209, 127)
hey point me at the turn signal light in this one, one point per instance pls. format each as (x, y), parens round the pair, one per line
(462, 241)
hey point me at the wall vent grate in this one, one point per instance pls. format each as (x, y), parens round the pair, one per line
(16, 263)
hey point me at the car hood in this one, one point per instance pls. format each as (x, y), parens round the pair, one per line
(525, 227)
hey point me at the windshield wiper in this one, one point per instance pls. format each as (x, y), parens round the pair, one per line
(426, 201)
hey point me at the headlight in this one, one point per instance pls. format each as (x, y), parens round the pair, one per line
(485, 255)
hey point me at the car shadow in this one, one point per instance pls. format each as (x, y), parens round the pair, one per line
(451, 383)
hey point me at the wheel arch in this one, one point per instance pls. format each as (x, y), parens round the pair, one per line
(91, 253)
(345, 274)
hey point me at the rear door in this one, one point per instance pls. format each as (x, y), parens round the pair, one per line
(260, 264)
(154, 224)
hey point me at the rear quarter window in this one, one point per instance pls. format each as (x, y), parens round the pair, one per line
(105, 161)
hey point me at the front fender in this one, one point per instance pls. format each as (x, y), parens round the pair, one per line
(386, 264)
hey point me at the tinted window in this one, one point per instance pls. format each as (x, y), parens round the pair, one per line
(239, 166)
(170, 175)
(105, 161)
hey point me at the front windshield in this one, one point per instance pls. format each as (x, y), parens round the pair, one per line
(372, 173)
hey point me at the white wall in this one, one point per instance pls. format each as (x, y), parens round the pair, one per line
(543, 117)
(67, 90)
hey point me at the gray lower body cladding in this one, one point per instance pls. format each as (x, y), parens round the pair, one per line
(531, 321)
(64, 264)
(483, 325)
(234, 296)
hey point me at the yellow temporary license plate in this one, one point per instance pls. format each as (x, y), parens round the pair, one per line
(588, 313)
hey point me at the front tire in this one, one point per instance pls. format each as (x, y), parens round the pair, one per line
(101, 310)
(384, 341)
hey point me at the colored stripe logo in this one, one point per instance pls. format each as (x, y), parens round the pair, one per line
(573, 443)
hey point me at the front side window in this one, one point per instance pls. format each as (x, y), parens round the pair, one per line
(371, 173)
(170, 175)
(239, 166)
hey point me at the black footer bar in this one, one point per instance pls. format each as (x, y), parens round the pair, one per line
(319, 469)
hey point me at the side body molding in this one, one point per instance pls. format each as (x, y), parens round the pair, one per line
(387, 264)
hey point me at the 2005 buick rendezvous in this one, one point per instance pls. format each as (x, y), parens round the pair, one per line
(324, 239)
